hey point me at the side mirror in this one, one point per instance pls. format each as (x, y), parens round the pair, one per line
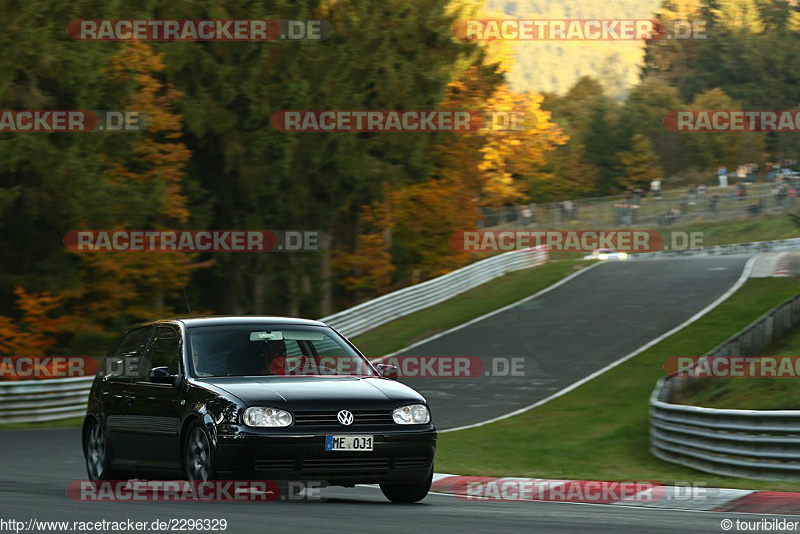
(387, 371)
(162, 375)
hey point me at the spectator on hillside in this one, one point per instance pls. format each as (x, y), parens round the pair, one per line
(568, 209)
(722, 175)
(714, 201)
(655, 187)
(526, 215)
(783, 192)
(741, 172)
(748, 172)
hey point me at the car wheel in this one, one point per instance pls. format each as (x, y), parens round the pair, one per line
(98, 456)
(198, 458)
(408, 493)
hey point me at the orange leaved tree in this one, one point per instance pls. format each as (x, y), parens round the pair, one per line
(146, 191)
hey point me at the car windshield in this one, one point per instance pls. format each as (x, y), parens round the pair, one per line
(272, 350)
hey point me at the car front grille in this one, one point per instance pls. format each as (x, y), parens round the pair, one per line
(322, 467)
(275, 464)
(328, 418)
(416, 462)
(341, 466)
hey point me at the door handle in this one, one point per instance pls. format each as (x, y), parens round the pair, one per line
(130, 398)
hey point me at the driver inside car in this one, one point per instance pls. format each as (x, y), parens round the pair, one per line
(271, 357)
(276, 361)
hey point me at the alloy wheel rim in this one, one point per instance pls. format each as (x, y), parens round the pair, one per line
(198, 457)
(96, 452)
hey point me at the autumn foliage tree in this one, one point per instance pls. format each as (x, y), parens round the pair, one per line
(640, 165)
(146, 189)
(511, 154)
(369, 268)
(36, 330)
(487, 166)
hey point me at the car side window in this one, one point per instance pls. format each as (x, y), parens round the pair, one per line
(164, 351)
(293, 349)
(328, 347)
(124, 361)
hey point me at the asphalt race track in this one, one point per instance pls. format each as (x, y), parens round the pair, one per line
(564, 335)
(37, 492)
(570, 332)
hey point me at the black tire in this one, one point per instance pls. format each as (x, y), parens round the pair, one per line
(408, 492)
(97, 452)
(198, 456)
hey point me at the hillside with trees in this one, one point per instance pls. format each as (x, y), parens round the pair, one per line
(390, 201)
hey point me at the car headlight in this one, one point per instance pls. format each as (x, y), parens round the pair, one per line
(622, 255)
(413, 414)
(602, 256)
(266, 417)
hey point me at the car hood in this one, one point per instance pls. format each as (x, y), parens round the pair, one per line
(317, 393)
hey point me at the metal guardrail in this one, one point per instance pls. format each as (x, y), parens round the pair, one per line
(29, 401)
(755, 247)
(761, 444)
(48, 400)
(379, 311)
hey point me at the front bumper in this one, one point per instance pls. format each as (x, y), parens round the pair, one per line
(398, 455)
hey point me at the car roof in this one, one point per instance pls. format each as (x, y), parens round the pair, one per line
(229, 320)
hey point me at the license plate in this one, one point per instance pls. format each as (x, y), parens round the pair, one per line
(348, 443)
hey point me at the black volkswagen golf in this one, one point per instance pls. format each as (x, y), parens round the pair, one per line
(242, 398)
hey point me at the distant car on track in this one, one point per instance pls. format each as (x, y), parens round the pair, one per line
(605, 254)
(256, 398)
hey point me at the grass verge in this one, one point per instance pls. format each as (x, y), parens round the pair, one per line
(61, 423)
(600, 430)
(752, 393)
(745, 231)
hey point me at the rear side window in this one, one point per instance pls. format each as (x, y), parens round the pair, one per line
(164, 351)
(328, 347)
(125, 360)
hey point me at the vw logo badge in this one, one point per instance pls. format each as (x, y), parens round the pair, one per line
(345, 417)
